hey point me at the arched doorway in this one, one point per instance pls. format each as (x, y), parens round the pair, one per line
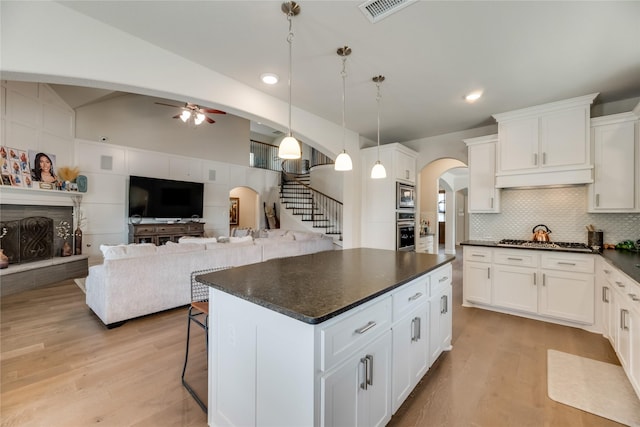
(244, 208)
(432, 178)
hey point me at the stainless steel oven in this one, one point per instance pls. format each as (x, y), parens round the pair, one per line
(405, 196)
(405, 231)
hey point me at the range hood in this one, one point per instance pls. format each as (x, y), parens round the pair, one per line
(547, 179)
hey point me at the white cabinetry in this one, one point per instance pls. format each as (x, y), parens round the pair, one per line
(483, 195)
(616, 158)
(358, 392)
(410, 339)
(552, 286)
(477, 274)
(379, 195)
(440, 320)
(624, 320)
(545, 145)
(425, 244)
(351, 370)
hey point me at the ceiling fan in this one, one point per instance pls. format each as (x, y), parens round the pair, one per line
(193, 112)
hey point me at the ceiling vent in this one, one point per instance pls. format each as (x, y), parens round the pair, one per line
(376, 10)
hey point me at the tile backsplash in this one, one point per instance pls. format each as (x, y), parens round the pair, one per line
(563, 210)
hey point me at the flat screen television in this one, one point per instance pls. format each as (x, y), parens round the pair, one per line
(164, 198)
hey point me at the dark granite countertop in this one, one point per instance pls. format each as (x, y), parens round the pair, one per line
(626, 261)
(314, 288)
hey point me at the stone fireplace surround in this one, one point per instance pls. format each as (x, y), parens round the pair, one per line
(48, 266)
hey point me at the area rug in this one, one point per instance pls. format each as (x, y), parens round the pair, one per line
(597, 387)
(81, 285)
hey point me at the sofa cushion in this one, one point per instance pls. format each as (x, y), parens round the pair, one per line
(304, 235)
(177, 248)
(127, 251)
(242, 240)
(200, 240)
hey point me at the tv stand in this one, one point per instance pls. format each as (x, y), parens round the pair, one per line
(159, 234)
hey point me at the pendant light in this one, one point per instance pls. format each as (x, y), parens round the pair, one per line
(378, 171)
(343, 161)
(289, 147)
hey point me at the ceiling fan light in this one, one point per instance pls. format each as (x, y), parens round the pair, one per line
(199, 118)
(343, 162)
(378, 171)
(185, 116)
(289, 148)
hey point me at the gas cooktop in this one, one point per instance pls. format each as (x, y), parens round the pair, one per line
(557, 246)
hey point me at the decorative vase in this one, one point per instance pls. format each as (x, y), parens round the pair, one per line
(4, 260)
(77, 235)
(67, 250)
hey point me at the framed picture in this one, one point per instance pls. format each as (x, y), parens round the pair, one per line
(43, 167)
(234, 210)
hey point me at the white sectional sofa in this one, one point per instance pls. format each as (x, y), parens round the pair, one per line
(139, 279)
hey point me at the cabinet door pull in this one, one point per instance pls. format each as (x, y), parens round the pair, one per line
(442, 279)
(605, 294)
(544, 279)
(444, 304)
(488, 272)
(535, 159)
(514, 259)
(492, 203)
(535, 279)
(478, 255)
(566, 263)
(369, 368)
(366, 327)
(623, 319)
(415, 329)
(634, 297)
(620, 284)
(415, 297)
(363, 362)
(598, 204)
(544, 158)
(418, 323)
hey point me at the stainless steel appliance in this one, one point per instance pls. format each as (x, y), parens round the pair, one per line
(557, 246)
(405, 196)
(405, 231)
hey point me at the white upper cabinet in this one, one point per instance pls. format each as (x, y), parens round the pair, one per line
(616, 158)
(483, 195)
(545, 145)
(404, 166)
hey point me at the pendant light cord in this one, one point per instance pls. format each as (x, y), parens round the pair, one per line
(344, 90)
(378, 97)
(290, 41)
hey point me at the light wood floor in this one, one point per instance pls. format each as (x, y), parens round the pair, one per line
(61, 367)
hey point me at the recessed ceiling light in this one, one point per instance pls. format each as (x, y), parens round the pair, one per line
(269, 78)
(473, 96)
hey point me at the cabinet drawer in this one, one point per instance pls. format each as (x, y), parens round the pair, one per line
(145, 229)
(440, 277)
(580, 263)
(477, 253)
(410, 296)
(172, 230)
(516, 257)
(339, 340)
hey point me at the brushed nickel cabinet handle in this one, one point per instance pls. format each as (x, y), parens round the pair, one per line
(365, 328)
(620, 284)
(535, 279)
(544, 279)
(363, 362)
(514, 259)
(605, 294)
(598, 204)
(369, 367)
(492, 203)
(478, 255)
(544, 158)
(415, 297)
(535, 159)
(488, 272)
(444, 278)
(566, 263)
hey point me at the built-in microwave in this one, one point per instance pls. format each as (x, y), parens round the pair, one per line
(405, 196)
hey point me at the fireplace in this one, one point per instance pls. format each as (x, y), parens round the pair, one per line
(30, 231)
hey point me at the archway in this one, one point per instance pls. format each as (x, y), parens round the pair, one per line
(430, 178)
(244, 208)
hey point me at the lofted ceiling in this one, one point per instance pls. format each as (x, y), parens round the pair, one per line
(432, 53)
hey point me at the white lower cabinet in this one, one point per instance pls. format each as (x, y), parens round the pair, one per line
(546, 285)
(440, 316)
(358, 392)
(410, 353)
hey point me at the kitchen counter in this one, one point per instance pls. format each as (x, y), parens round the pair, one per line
(626, 261)
(314, 288)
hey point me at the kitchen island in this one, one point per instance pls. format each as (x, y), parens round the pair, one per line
(319, 339)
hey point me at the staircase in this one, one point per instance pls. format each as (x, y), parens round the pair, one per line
(320, 211)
